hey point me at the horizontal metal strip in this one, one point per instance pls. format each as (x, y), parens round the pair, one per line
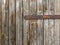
(36, 17)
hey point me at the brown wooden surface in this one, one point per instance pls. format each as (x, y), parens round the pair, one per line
(46, 25)
(0, 20)
(12, 22)
(4, 23)
(33, 24)
(19, 22)
(15, 30)
(40, 28)
(57, 24)
(26, 23)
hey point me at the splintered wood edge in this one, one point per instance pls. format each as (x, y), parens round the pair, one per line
(36, 17)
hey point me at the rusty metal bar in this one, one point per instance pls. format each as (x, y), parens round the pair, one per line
(36, 17)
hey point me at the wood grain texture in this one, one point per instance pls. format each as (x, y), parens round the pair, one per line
(51, 23)
(19, 22)
(15, 30)
(0, 20)
(4, 22)
(57, 23)
(32, 33)
(46, 24)
(33, 23)
(40, 31)
(26, 7)
(12, 23)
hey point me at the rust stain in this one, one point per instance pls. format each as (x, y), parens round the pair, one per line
(44, 17)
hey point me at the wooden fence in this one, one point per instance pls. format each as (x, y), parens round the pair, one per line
(15, 30)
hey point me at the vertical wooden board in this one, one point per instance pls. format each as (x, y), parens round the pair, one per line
(0, 19)
(51, 23)
(12, 23)
(40, 29)
(57, 21)
(33, 33)
(46, 9)
(4, 22)
(56, 35)
(33, 22)
(19, 22)
(25, 22)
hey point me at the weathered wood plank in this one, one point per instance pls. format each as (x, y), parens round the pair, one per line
(26, 7)
(57, 23)
(46, 23)
(40, 31)
(0, 19)
(51, 23)
(32, 33)
(33, 23)
(12, 23)
(19, 22)
(4, 22)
